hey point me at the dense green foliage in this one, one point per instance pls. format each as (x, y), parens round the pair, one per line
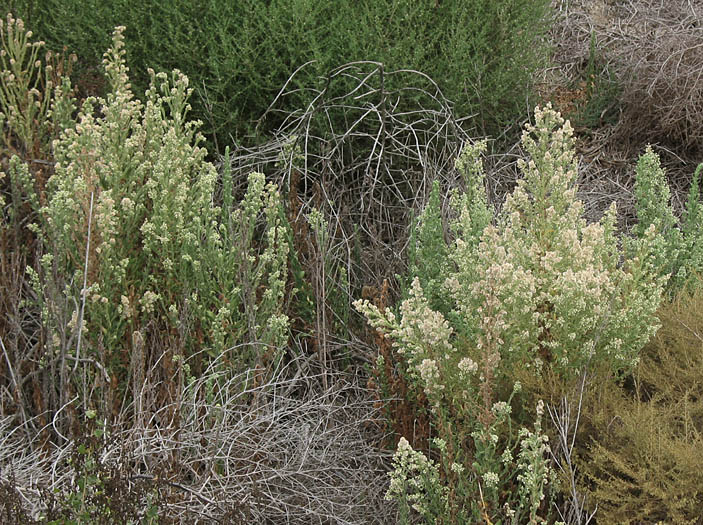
(239, 55)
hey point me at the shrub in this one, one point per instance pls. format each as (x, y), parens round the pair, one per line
(140, 271)
(597, 91)
(542, 290)
(679, 253)
(35, 105)
(658, 61)
(239, 55)
(428, 251)
(643, 463)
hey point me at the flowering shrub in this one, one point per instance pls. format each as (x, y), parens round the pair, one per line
(141, 269)
(538, 289)
(22, 105)
(34, 97)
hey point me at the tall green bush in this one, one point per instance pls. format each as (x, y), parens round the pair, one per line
(428, 251)
(239, 55)
(680, 249)
(540, 290)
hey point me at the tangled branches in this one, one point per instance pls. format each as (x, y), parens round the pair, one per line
(281, 452)
(365, 151)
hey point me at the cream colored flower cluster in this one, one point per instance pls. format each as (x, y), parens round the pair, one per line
(413, 477)
(131, 205)
(538, 287)
(422, 335)
(550, 287)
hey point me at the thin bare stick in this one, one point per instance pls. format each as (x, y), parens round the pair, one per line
(84, 292)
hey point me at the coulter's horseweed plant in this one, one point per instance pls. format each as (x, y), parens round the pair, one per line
(22, 105)
(540, 289)
(679, 249)
(35, 94)
(141, 270)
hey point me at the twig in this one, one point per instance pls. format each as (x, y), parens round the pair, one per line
(84, 292)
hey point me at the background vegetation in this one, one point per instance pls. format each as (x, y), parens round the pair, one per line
(240, 55)
(178, 336)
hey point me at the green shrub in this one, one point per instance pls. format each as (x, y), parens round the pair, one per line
(599, 103)
(239, 55)
(35, 99)
(541, 290)
(23, 101)
(428, 251)
(679, 253)
(35, 105)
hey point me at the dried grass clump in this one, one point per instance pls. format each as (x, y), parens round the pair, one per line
(644, 464)
(627, 74)
(654, 50)
(283, 452)
(659, 55)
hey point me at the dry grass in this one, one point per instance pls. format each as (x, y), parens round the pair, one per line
(283, 452)
(651, 50)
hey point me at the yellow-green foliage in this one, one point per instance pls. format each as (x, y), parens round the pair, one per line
(35, 98)
(22, 104)
(645, 463)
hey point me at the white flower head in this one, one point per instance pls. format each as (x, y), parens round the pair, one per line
(467, 366)
(491, 479)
